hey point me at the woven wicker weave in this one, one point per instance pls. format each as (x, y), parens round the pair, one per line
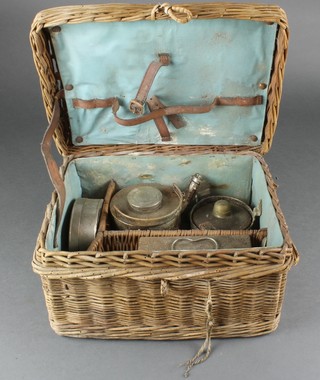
(114, 290)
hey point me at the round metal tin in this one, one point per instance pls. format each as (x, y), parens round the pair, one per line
(84, 221)
(147, 206)
(221, 213)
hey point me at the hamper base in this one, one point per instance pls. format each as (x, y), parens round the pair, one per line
(169, 333)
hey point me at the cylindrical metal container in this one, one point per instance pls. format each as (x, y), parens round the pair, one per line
(222, 213)
(84, 221)
(147, 206)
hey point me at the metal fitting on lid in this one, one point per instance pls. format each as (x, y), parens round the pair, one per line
(222, 208)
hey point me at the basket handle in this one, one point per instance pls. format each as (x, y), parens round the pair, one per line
(51, 164)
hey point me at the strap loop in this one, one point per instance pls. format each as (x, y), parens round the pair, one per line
(172, 11)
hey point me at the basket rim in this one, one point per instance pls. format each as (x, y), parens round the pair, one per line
(54, 16)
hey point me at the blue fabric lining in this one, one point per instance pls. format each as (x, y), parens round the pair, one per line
(238, 176)
(216, 57)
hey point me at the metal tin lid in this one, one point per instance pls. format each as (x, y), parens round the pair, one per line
(145, 198)
(221, 213)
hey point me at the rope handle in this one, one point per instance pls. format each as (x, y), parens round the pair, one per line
(172, 11)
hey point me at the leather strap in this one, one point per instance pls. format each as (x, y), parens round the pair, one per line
(92, 103)
(174, 110)
(160, 123)
(176, 120)
(51, 164)
(103, 223)
(158, 109)
(137, 104)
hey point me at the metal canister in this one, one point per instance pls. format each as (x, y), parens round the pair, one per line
(147, 206)
(84, 221)
(223, 213)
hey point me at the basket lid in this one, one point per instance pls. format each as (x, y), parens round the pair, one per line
(99, 55)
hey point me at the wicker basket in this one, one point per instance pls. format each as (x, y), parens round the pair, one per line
(115, 291)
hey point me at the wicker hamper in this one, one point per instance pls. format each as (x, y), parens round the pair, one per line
(91, 60)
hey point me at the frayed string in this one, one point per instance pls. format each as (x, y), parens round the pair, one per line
(205, 350)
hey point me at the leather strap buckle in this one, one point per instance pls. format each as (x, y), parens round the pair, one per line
(137, 104)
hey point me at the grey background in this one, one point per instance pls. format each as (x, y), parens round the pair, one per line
(29, 349)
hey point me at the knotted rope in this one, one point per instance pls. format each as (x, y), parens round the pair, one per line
(205, 350)
(173, 11)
